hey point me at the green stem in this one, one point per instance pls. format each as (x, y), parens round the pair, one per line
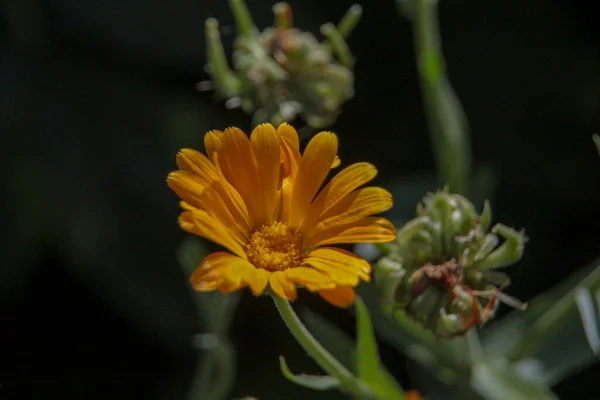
(446, 119)
(325, 360)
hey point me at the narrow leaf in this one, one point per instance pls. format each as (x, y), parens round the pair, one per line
(370, 369)
(314, 382)
(500, 382)
(554, 330)
(366, 347)
(585, 303)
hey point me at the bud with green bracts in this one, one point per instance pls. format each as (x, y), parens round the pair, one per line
(282, 73)
(443, 268)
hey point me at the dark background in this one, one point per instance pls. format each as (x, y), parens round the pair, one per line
(96, 97)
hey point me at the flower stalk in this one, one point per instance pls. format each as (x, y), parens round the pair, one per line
(323, 358)
(445, 116)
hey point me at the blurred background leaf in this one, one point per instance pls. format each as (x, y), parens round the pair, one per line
(215, 373)
(548, 340)
(495, 382)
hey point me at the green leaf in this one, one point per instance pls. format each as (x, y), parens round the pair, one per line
(496, 381)
(366, 347)
(315, 382)
(370, 369)
(553, 332)
(388, 388)
(589, 319)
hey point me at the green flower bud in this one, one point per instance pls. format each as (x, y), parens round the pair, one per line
(442, 269)
(282, 73)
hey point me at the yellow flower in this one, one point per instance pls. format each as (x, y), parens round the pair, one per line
(259, 198)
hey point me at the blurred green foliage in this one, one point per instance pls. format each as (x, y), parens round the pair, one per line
(216, 370)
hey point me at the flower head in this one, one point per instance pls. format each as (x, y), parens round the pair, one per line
(259, 198)
(283, 73)
(443, 270)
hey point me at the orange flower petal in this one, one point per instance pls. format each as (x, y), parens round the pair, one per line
(277, 206)
(238, 164)
(310, 278)
(200, 223)
(212, 198)
(290, 160)
(365, 201)
(188, 187)
(342, 296)
(285, 205)
(367, 229)
(289, 135)
(342, 266)
(220, 271)
(358, 204)
(347, 180)
(336, 162)
(193, 161)
(339, 187)
(265, 144)
(413, 395)
(340, 275)
(258, 281)
(282, 286)
(213, 143)
(208, 286)
(206, 174)
(314, 167)
(226, 272)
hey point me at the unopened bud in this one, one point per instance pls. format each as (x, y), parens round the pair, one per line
(443, 269)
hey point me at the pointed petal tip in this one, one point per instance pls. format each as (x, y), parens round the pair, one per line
(289, 133)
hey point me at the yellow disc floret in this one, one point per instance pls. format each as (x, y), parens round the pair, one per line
(275, 247)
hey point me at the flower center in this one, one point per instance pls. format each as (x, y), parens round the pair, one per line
(275, 247)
